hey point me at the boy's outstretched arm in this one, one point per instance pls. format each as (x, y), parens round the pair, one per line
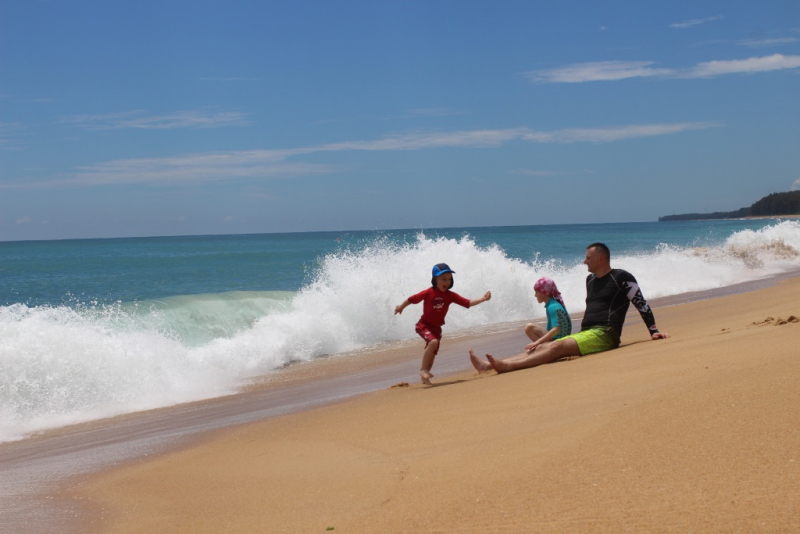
(475, 302)
(400, 307)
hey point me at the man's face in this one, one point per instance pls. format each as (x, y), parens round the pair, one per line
(594, 259)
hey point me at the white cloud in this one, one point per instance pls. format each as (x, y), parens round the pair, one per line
(9, 135)
(435, 112)
(259, 164)
(620, 70)
(695, 22)
(796, 185)
(228, 79)
(215, 167)
(419, 140)
(534, 172)
(777, 41)
(607, 135)
(596, 71)
(139, 119)
(23, 220)
(744, 66)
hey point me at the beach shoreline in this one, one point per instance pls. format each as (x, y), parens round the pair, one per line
(209, 420)
(74, 498)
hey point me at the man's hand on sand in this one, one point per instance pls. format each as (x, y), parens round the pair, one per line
(660, 335)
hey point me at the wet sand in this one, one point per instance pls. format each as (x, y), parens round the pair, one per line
(659, 436)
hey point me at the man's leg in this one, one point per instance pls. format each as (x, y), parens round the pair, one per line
(546, 353)
(479, 365)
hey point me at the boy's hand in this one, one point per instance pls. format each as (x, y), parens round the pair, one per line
(398, 309)
(487, 296)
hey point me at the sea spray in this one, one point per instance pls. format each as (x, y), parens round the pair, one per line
(72, 362)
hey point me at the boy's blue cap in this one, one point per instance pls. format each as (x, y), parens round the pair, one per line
(441, 268)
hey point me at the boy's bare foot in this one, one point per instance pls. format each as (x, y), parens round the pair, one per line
(426, 377)
(479, 365)
(497, 365)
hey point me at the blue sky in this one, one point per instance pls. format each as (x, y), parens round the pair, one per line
(175, 118)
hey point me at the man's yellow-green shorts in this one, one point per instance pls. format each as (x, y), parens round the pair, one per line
(595, 339)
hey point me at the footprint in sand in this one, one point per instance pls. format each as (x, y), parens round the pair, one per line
(776, 321)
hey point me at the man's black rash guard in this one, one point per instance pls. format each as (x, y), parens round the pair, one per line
(607, 301)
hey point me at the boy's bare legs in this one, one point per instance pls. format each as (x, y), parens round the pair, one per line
(546, 353)
(479, 365)
(534, 331)
(427, 361)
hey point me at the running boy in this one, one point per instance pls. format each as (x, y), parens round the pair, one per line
(436, 301)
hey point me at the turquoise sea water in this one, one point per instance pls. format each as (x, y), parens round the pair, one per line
(93, 328)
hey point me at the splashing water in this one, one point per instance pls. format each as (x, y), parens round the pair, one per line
(63, 364)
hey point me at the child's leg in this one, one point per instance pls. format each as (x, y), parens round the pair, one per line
(427, 360)
(431, 336)
(534, 331)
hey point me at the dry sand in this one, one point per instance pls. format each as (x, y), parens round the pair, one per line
(697, 433)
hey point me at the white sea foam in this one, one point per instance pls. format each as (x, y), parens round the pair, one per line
(62, 365)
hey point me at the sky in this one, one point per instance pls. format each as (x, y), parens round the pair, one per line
(152, 118)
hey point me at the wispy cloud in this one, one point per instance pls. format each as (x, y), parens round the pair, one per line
(227, 79)
(435, 112)
(768, 42)
(608, 135)
(420, 140)
(596, 71)
(744, 66)
(620, 70)
(259, 164)
(796, 185)
(9, 134)
(535, 173)
(23, 220)
(140, 119)
(7, 127)
(695, 22)
(196, 168)
(28, 100)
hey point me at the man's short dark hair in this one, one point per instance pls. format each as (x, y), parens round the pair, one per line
(602, 247)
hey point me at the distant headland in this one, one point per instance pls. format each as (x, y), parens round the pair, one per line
(772, 205)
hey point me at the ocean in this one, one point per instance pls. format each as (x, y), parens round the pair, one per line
(91, 329)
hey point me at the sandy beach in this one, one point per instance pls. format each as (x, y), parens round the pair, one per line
(697, 433)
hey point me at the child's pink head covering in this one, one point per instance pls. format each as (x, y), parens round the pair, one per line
(548, 287)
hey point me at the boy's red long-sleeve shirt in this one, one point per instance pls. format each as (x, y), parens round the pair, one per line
(436, 303)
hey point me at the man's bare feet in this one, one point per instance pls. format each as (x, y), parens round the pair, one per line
(498, 365)
(479, 365)
(426, 377)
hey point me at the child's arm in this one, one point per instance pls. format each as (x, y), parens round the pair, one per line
(400, 307)
(475, 302)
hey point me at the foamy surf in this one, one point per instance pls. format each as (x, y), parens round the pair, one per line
(67, 364)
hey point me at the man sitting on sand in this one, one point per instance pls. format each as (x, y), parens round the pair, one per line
(608, 294)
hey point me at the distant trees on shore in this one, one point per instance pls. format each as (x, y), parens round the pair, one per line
(773, 204)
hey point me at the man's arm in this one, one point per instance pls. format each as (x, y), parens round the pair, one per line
(637, 299)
